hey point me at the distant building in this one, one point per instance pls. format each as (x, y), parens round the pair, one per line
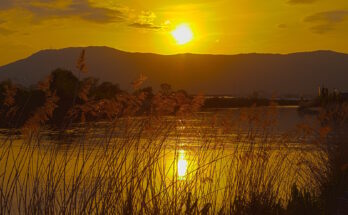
(323, 92)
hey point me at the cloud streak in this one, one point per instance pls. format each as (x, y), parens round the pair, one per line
(144, 26)
(5, 31)
(282, 26)
(145, 20)
(6, 4)
(294, 2)
(77, 8)
(43, 10)
(324, 22)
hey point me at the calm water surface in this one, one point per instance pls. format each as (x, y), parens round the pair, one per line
(211, 150)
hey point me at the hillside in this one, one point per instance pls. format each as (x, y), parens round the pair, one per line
(298, 73)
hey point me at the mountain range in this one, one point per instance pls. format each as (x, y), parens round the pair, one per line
(240, 75)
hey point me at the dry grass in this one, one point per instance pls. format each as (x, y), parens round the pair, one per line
(132, 166)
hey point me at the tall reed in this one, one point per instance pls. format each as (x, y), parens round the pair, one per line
(135, 165)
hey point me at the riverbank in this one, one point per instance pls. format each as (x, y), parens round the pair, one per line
(239, 102)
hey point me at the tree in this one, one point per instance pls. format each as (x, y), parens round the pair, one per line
(166, 89)
(64, 83)
(106, 90)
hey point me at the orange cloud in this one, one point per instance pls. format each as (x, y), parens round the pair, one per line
(326, 21)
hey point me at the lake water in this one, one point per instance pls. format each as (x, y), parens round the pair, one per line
(215, 155)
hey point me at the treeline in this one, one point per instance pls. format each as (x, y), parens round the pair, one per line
(63, 99)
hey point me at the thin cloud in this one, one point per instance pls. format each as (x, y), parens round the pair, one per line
(5, 31)
(84, 9)
(77, 8)
(282, 26)
(43, 10)
(324, 22)
(302, 1)
(145, 20)
(145, 26)
(6, 4)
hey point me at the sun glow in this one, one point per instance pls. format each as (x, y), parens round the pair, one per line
(182, 34)
(182, 165)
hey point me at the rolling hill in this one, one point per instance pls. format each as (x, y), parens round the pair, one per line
(297, 73)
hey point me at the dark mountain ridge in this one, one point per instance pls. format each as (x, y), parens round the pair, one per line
(242, 74)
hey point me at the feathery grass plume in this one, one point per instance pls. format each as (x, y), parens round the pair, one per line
(187, 105)
(10, 93)
(197, 102)
(81, 64)
(9, 108)
(109, 108)
(95, 110)
(81, 91)
(183, 102)
(167, 102)
(90, 108)
(139, 81)
(163, 104)
(130, 104)
(85, 88)
(82, 112)
(43, 113)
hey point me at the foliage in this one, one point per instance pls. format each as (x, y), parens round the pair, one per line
(92, 101)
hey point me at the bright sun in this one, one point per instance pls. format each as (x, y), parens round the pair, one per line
(182, 34)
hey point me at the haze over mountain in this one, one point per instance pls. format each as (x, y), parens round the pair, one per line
(298, 73)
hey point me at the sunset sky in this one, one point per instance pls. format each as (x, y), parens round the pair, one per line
(218, 26)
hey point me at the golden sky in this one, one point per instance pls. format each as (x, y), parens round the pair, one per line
(219, 26)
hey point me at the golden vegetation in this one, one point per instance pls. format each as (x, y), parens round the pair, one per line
(137, 170)
(43, 113)
(133, 168)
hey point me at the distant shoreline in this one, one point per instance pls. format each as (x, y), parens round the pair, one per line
(223, 102)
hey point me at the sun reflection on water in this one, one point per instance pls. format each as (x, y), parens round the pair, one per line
(182, 165)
